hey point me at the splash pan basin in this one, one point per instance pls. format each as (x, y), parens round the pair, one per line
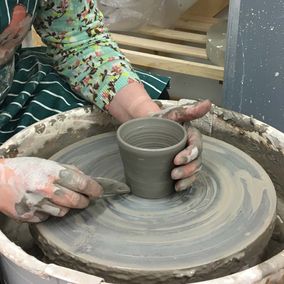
(227, 216)
(261, 142)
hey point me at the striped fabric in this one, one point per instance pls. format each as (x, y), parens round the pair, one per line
(38, 92)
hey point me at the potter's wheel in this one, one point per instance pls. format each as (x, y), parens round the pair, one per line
(226, 217)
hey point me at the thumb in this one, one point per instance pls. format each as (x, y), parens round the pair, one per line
(185, 112)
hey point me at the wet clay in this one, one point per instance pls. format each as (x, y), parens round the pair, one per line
(220, 225)
(147, 148)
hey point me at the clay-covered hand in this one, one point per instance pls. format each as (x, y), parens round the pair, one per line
(188, 162)
(32, 189)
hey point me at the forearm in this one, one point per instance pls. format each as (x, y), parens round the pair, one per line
(83, 51)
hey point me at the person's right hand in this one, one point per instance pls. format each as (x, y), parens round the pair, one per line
(32, 189)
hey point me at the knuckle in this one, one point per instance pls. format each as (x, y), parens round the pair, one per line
(63, 212)
(74, 199)
(81, 182)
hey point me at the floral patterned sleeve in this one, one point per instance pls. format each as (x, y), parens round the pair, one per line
(82, 49)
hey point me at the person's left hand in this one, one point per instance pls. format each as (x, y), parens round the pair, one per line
(188, 162)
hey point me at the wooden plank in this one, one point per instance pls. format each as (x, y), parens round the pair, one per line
(156, 45)
(173, 34)
(206, 8)
(202, 19)
(175, 65)
(36, 40)
(197, 23)
(193, 26)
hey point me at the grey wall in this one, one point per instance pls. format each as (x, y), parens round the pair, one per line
(254, 71)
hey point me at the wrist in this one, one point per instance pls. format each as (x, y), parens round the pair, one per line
(143, 107)
(132, 101)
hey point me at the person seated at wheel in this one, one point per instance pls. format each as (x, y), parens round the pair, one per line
(80, 65)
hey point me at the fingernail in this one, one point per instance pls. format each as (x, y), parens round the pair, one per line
(65, 175)
(182, 187)
(193, 155)
(182, 160)
(187, 159)
(176, 174)
(58, 191)
(52, 210)
(63, 212)
(185, 183)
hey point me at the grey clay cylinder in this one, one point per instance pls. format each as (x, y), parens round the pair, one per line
(147, 148)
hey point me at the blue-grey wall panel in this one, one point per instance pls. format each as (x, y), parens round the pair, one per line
(254, 71)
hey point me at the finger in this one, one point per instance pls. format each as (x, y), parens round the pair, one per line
(186, 156)
(194, 136)
(186, 112)
(38, 217)
(33, 217)
(7, 36)
(158, 103)
(79, 182)
(186, 183)
(51, 209)
(68, 198)
(110, 187)
(196, 110)
(194, 149)
(187, 170)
